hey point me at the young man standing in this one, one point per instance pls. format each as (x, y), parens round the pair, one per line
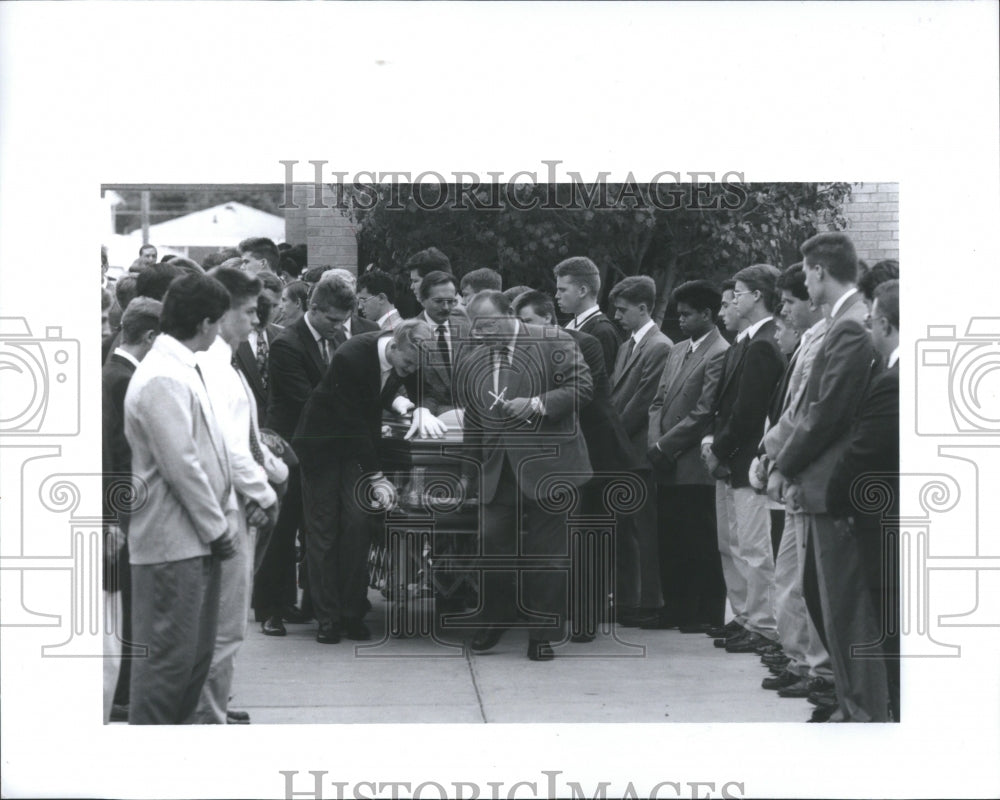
(578, 283)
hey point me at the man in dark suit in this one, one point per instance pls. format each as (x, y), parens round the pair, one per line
(578, 284)
(638, 367)
(741, 405)
(337, 444)
(872, 454)
(802, 470)
(521, 390)
(299, 356)
(680, 414)
(139, 328)
(438, 297)
(609, 448)
(252, 355)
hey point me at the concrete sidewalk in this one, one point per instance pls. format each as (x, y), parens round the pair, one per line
(628, 675)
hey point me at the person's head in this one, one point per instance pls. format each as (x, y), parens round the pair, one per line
(755, 295)
(269, 297)
(345, 275)
(106, 302)
(884, 317)
(192, 308)
(437, 295)
(294, 302)
(871, 277)
(403, 350)
(241, 317)
(577, 283)
(259, 253)
(125, 290)
(516, 291)
(147, 255)
(313, 274)
(786, 335)
(698, 303)
(731, 321)
(419, 265)
(288, 268)
(331, 304)
(632, 299)
(831, 266)
(480, 280)
(220, 257)
(535, 308)
(796, 306)
(376, 294)
(186, 264)
(490, 317)
(154, 280)
(141, 325)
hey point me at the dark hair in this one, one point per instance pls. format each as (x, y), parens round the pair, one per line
(300, 253)
(147, 247)
(125, 290)
(880, 273)
(432, 279)
(516, 291)
(835, 252)
(701, 295)
(887, 295)
(378, 282)
(289, 265)
(761, 278)
(635, 289)
(220, 257)
(581, 271)
(154, 280)
(186, 264)
(284, 247)
(141, 315)
(539, 302)
(427, 261)
(313, 274)
(299, 292)
(106, 299)
(728, 285)
(793, 281)
(480, 279)
(166, 259)
(333, 293)
(238, 283)
(261, 247)
(191, 299)
(497, 299)
(268, 280)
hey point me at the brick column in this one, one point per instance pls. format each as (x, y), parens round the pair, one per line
(328, 234)
(873, 220)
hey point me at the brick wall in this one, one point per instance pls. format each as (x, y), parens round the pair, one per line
(873, 220)
(326, 232)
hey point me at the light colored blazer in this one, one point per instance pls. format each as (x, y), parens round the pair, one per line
(179, 459)
(682, 409)
(633, 386)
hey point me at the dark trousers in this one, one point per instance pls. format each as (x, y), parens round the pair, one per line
(338, 538)
(536, 585)
(175, 610)
(274, 582)
(777, 528)
(125, 671)
(690, 564)
(638, 582)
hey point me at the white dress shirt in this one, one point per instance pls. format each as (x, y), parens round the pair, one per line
(575, 323)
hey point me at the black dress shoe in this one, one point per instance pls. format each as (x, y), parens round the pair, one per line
(273, 626)
(770, 649)
(822, 713)
(119, 713)
(487, 638)
(749, 644)
(327, 634)
(775, 660)
(357, 630)
(724, 631)
(582, 638)
(740, 636)
(295, 615)
(798, 689)
(237, 717)
(540, 651)
(782, 680)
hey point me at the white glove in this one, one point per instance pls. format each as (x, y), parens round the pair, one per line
(758, 475)
(403, 405)
(426, 425)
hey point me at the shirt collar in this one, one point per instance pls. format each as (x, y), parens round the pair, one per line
(126, 355)
(742, 334)
(843, 298)
(893, 358)
(169, 346)
(312, 330)
(637, 336)
(757, 326)
(383, 360)
(579, 319)
(385, 316)
(696, 343)
(435, 325)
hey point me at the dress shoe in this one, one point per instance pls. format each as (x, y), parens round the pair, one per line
(697, 627)
(540, 651)
(775, 660)
(782, 680)
(822, 713)
(119, 713)
(273, 626)
(487, 638)
(357, 630)
(822, 692)
(740, 636)
(582, 638)
(724, 631)
(295, 615)
(237, 717)
(327, 634)
(770, 649)
(748, 644)
(798, 689)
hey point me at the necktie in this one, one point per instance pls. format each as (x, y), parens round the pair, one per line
(339, 336)
(689, 353)
(258, 454)
(442, 345)
(197, 369)
(262, 357)
(630, 349)
(324, 350)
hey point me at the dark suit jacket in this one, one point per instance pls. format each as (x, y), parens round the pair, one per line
(607, 444)
(436, 385)
(681, 411)
(837, 383)
(247, 361)
(742, 402)
(115, 377)
(608, 334)
(342, 418)
(633, 386)
(547, 364)
(295, 367)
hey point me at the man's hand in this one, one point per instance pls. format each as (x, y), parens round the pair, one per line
(758, 473)
(403, 405)
(519, 408)
(658, 457)
(426, 425)
(225, 546)
(712, 463)
(384, 494)
(793, 496)
(777, 486)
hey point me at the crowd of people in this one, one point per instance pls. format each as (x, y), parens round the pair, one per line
(244, 400)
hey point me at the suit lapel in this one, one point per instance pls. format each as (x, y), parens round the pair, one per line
(248, 363)
(685, 368)
(310, 346)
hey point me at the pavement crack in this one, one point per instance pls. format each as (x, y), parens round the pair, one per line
(475, 684)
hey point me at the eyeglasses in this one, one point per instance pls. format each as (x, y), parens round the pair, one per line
(736, 294)
(364, 299)
(444, 301)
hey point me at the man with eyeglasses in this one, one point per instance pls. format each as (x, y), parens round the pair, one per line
(438, 297)
(376, 299)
